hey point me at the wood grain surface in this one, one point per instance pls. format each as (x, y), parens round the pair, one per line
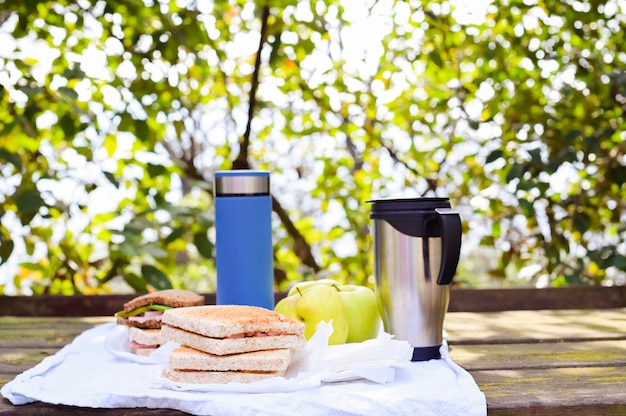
(547, 362)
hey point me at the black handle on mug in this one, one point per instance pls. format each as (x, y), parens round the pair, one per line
(450, 222)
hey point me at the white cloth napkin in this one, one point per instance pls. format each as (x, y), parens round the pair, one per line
(353, 379)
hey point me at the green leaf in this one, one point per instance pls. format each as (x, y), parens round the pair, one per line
(174, 235)
(156, 170)
(155, 277)
(527, 208)
(436, 59)
(142, 131)
(154, 251)
(112, 178)
(581, 222)
(619, 261)
(85, 151)
(205, 248)
(7, 127)
(110, 144)
(6, 248)
(494, 155)
(28, 203)
(70, 252)
(73, 73)
(136, 282)
(68, 126)
(12, 158)
(516, 172)
(68, 92)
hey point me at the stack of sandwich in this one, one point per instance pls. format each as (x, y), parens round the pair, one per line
(142, 315)
(229, 343)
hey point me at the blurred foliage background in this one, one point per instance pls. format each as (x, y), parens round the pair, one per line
(114, 115)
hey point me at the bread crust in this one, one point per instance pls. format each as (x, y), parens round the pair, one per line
(225, 346)
(176, 298)
(215, 377)
(221, 321)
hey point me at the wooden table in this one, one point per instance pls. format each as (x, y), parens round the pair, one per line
(565, 362)
(561, 362)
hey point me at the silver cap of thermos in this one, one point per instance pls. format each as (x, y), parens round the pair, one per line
(235, 183)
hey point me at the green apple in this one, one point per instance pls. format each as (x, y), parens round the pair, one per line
(363, 315)
(303, 286)
(287, 307)
(315, 304)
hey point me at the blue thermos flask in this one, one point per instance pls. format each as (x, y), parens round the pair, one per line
(243, 238)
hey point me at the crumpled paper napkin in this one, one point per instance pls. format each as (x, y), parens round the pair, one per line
(359, 379)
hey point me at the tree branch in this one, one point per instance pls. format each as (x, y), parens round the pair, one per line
(301, 247)
(241, 162)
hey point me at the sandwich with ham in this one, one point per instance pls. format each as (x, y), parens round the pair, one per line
(229, 343)
(143, 316)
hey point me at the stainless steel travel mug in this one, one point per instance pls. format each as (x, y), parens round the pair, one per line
(417, 244)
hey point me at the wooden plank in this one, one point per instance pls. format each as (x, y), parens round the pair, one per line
(598, 409)
(44, 332)
(535, 326)
(568, 391)
(39, 338)
(483, 357)
(78, 305)
(17, 360)
(45, 322)
(574, 297)
(41, 409)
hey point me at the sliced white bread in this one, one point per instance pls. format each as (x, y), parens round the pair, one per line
(144, 351)
(223, 321)
(185, 358)
(145, 336)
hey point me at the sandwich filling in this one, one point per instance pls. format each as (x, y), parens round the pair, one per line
(147, 316)
(135, 347)
(144, 340)
(254, 334)
(146, 310)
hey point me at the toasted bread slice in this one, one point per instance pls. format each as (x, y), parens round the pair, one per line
(225, 346)
(175, 298)
(185, 358)
(224, 321)
(215, 377)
